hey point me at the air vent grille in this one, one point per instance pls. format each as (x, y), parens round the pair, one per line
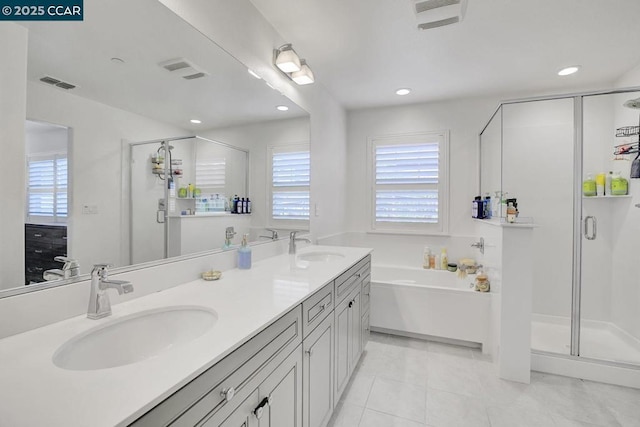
(184, 68)
(438, 13)
(424, 6)
(57, 83)
(440, 23)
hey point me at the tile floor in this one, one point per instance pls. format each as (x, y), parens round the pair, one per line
(403, 382)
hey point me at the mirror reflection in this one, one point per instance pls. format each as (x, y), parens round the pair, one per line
(102, 186)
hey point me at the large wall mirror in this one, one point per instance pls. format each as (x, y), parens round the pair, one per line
(140, 132)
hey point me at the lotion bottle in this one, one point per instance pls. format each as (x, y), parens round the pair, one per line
(244, 254)
(444, 260)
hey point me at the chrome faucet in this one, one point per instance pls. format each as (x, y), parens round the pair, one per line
(229, 232)
(274, 234)
(99, 304)
(292, 241)
(479, 245)
(71, 268)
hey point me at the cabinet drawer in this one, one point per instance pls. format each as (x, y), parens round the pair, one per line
(205, 395)
(47, 233)
(316, 308)
(347, 280)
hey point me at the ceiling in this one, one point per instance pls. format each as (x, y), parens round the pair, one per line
(148, 34)
(363, 50)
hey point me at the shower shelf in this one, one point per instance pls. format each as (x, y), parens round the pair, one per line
(628, 131)
(623, 149)
(626, 196)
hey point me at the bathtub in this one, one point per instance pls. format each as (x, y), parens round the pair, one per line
(432, 303)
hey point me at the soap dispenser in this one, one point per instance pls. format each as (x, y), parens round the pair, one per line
(244, 254)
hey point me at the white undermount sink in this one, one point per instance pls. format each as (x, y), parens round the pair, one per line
(320, 256)
(134, 338)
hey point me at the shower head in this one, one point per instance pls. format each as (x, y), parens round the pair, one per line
(633, 103)
(163, 146)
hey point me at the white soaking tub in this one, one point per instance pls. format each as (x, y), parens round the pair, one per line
(435, 303)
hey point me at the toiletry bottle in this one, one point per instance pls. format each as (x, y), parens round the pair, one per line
(432, 261)
(444, 259)
(589, 186)
(600, 184)
(244, 254)
(234, 209)
(607, 186)
(437, 262)
(425, 257)
(511, 213)
(190, 190)
(248, 210)
(487, 206)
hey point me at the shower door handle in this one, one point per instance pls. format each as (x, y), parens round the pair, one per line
(594, 228)
(160, 217)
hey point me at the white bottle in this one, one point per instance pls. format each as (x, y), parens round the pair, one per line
(438, 265)
(607, 185)
(425, 257)
(444, 259)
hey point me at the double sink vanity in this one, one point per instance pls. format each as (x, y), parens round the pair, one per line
(271, 346)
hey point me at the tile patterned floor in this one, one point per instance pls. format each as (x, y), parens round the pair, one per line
(402, 382)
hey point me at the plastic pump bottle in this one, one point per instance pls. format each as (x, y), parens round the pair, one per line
(244, 254)
(444, 260)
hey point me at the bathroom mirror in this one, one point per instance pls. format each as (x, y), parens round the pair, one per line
(117, 79)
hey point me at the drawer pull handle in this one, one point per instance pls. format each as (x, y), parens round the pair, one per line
(322, 307)
(259, 411)
(358, 275)
(38, 251)
(350, 303)
(64, 237)
(37, 235)
(309, 352)
(228, 393)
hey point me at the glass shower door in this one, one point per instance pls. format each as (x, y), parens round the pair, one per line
(537, 170)
(609, 313)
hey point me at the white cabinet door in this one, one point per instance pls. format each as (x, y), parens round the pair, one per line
(281, 394)
(355, 331)
(342, 315)
(318, 375)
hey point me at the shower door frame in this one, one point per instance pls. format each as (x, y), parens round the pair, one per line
(578, 151)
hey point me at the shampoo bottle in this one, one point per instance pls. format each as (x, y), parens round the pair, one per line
(244, 254)
(425, 257)
(444, 260)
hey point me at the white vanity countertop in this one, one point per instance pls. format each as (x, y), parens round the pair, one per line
(35, 392)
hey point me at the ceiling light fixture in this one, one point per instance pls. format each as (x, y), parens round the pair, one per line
(290, 64)
(403, 91)
(195, 121)
(569, 70)
(282, 108)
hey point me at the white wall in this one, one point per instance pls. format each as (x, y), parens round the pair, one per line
(242, 31)
(13, 50)
(464, 119)
(53, 139)
(95, 168)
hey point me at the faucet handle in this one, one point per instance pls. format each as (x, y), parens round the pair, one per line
(100, 269)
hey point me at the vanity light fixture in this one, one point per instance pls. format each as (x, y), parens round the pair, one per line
(569, 70)
(290, 64)
(304, 76)
(403, 91)
(286, 59)
(195, 121)
(282, 108)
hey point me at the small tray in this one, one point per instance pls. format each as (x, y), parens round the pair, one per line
(211, 275)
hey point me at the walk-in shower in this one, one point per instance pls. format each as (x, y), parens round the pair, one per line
(586, 297)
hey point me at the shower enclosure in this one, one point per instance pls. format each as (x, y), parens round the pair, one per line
(179, 190)
(586, 295)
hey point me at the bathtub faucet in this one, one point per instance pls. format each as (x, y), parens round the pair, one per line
(479, 244)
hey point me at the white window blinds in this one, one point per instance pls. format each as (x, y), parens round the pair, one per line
(211, 174)
(47, 187)
(409, 177)
(290, 184)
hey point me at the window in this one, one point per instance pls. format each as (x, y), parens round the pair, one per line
(409, 183)
(211, 175)
(289, 169)
(47, 188)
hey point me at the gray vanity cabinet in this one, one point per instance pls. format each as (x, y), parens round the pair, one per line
(318, 374)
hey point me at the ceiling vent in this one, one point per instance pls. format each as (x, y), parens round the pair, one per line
(58, 83)
(438, 13)
(183, 68)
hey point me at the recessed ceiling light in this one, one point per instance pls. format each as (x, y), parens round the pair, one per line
(569, 70)
(253, 73)
(195, 121)
(282, 108)
(403, 91)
